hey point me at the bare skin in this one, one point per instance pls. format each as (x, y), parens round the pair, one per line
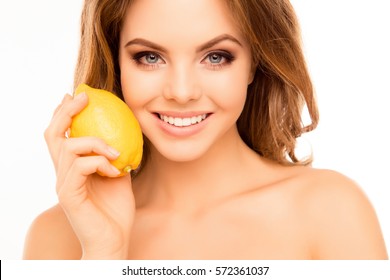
(203, 194)
(301, 215)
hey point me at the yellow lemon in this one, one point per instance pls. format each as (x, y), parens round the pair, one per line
(106, 116)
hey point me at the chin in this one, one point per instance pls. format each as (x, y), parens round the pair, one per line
(182, 153)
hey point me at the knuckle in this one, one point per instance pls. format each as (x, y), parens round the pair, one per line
(78, 163)
(65, 108)
(98, 142)
(64, 198)
(47, 134)
(66, 146)
(57, 110)
(101, 161)
(88, 163)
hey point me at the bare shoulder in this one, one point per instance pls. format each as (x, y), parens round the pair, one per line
(341, 221)
(51, 237)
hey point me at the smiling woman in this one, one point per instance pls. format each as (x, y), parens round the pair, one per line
(219, 96)
(188, 77)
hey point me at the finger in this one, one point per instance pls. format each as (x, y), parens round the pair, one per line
(88, 145)
(48, 130)
(82, 146)
(64, 99)
(60, 123)
(81, 168)
(63, 117)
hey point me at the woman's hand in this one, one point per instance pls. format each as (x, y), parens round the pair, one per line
(100, 209)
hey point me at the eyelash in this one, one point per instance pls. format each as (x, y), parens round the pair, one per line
(224, 56)
(141, 55)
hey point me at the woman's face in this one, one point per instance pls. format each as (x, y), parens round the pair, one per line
(185, 69)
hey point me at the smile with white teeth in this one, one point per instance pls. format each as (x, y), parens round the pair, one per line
(182, 121)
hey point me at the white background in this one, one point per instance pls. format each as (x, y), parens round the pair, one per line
(348, 51)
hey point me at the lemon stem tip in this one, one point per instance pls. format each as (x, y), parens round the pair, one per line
(127, 169)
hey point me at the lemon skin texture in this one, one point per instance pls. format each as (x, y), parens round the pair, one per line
(109, 118)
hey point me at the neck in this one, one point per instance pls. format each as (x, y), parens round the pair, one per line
(213, 176)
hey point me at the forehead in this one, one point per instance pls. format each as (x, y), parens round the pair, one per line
(184, 20)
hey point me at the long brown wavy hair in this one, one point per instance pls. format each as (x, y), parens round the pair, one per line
(271, 120)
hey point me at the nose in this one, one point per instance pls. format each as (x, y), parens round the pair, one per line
(182, 85)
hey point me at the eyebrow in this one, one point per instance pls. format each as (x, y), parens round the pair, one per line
(217, 40)
(207, 45)
(146, 43)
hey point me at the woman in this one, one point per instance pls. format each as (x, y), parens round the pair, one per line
(227, 184)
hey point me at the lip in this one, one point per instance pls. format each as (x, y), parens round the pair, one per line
(182, 114)
(181, 131)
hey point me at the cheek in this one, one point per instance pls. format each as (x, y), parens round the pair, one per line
(237, 86)
(228, 91)
(138, 87)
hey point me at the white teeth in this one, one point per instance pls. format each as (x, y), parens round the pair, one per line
(183, 121)
(186, 122)
(178, 122)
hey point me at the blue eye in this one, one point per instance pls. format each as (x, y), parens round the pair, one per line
(218, 59)
(215, 58)
(148, 59)
(151, 58)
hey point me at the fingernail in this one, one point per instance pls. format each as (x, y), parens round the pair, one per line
(80, 96)
(115, 170)
(112, 151)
